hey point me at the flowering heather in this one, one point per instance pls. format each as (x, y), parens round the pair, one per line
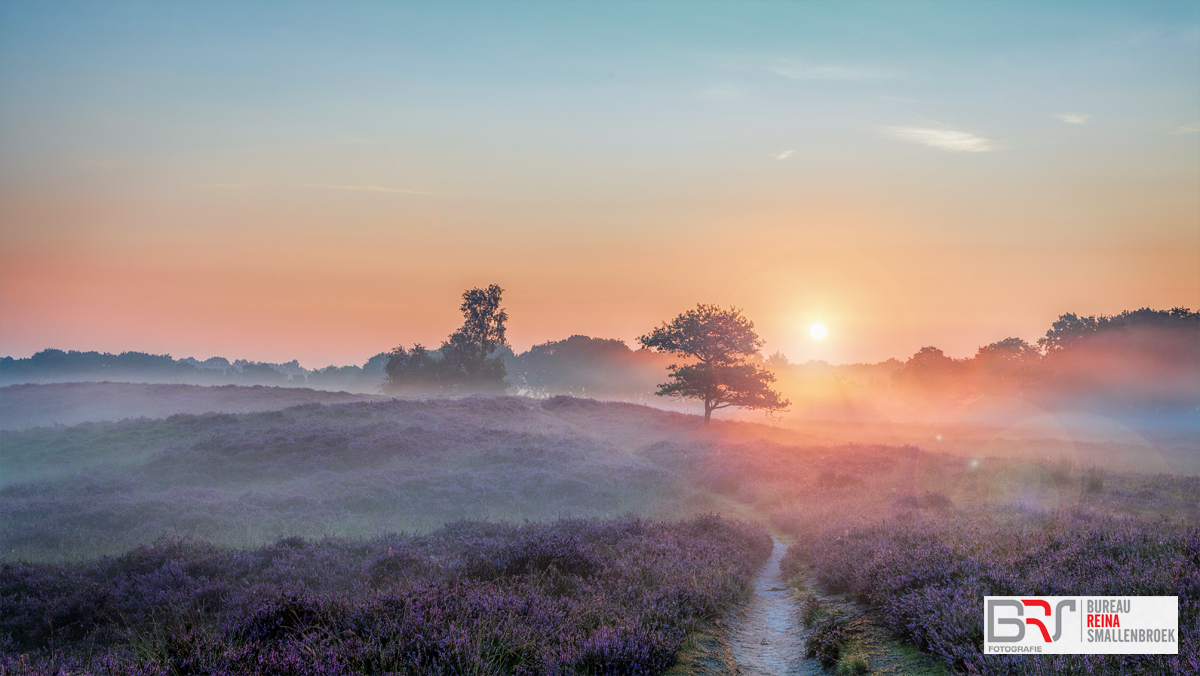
(924, 537)
(927, 574)
(349, 469)
(565, 597)
(920, 536)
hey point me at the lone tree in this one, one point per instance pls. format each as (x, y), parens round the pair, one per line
(465, 362)
(719, 341)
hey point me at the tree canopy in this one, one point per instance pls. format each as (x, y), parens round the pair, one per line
(466, 361)
(586, 367)
(1071, 329)
(719, 344)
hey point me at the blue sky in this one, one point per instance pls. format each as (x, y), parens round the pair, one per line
(1043, 156)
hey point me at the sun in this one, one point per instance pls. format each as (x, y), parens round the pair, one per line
(817, 331)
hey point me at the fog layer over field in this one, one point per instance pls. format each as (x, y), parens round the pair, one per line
(25, 406)
(1036, 513)
(1140, 369)
(390, 465)
(347, 469)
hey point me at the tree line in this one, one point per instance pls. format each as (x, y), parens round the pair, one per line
(1144, 357)
(713, 355)
(716, 346)
(53, 365)
(1139, 358)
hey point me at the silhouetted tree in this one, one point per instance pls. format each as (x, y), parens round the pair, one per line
(1071, 329)
(1138, 359)
(1005, 367)
(720, 341)
(1007, 351)
(465, 362)
(412, 371)
(587, 367)
(931, 371)
(1068, 329)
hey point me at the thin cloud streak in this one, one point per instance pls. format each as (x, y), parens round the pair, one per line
(370, 188)
(1073, 118)
(942, 139)
(1190, 129)
(785, 154)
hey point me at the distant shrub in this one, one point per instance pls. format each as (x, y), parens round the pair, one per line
(812, 610)
(936, 500)
(826, 639)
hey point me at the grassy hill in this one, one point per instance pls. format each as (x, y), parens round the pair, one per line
(44, 405)
(349, 469)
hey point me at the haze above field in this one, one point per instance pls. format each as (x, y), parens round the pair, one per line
(317, 181)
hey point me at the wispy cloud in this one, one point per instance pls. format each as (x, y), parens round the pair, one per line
(1073, 118)
(942, 139)
(784, 155)
(796, 70)
(1189, 129)
(370, 188)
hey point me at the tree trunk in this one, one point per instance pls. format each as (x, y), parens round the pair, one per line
(708, 409)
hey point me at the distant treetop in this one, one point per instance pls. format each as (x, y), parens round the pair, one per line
(1070, 327)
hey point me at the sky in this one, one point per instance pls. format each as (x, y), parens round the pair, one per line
(322, 181)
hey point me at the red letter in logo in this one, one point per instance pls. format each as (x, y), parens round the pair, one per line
(1045, 605)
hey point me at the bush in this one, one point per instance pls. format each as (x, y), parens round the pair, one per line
(826, 640)
(812, 610)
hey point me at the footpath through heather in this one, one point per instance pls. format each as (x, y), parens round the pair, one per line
(767, 637)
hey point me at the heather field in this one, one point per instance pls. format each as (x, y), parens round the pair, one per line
(354, 469)
(563, 597)
(267, 542)
(593, 338)
(922, 538)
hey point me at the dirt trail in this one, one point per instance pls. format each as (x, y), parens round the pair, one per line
(767, 637)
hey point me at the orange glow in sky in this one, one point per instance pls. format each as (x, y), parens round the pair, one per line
(323, 183)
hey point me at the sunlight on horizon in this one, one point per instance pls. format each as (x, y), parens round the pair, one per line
(320, 181)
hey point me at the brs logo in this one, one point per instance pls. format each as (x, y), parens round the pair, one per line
(1036, 607)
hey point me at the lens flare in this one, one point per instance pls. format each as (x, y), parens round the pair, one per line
(817, 331)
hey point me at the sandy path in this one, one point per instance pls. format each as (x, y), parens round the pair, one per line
(767, 638)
